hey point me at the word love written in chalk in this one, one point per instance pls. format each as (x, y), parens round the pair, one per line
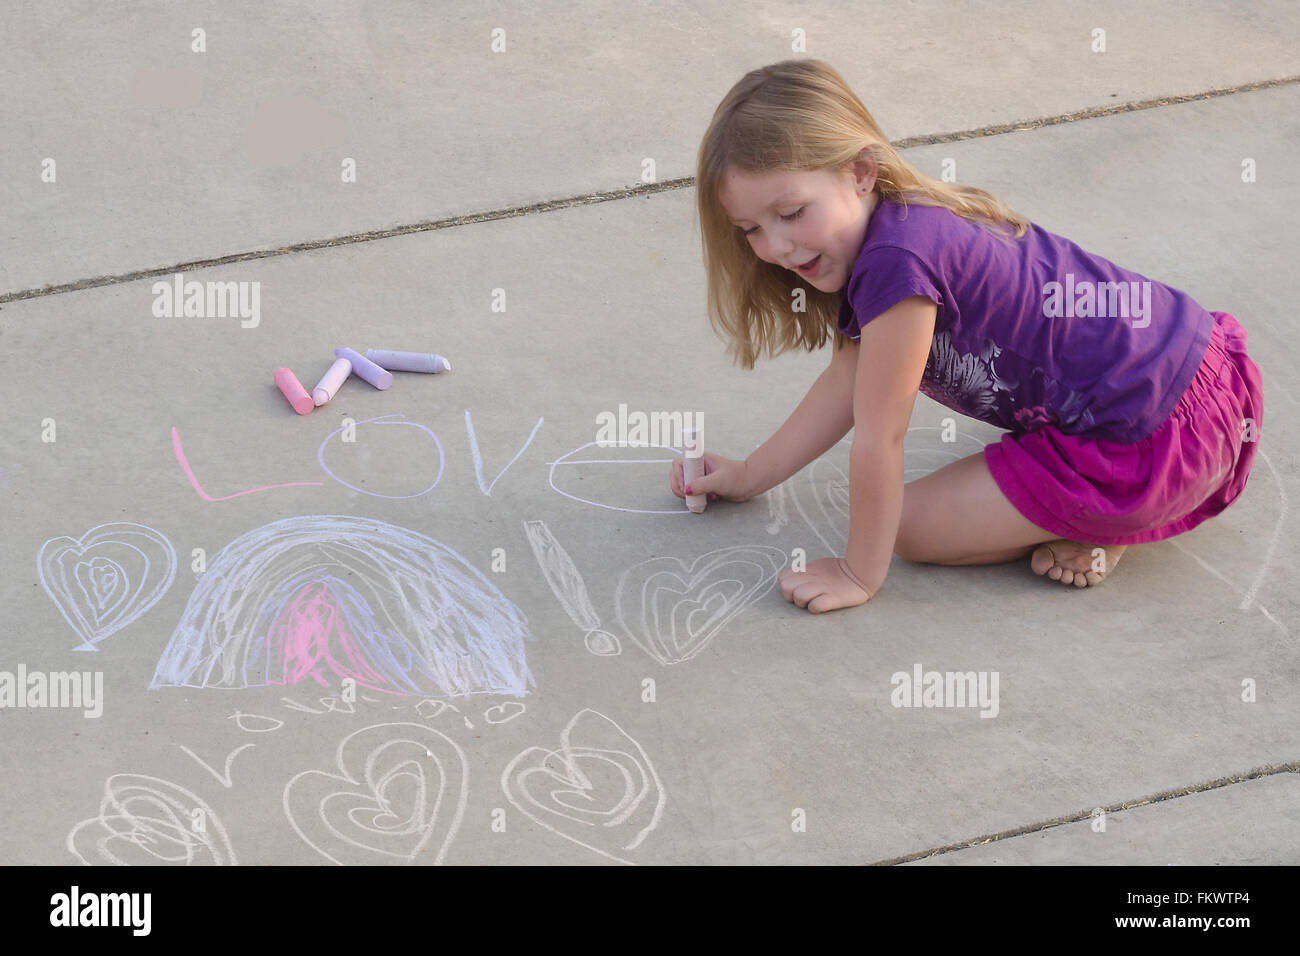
(349, 434)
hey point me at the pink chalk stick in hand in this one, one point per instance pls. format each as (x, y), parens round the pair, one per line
(362, 366)
(292, 389)
(693, 468)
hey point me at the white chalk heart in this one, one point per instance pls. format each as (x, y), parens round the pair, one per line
(404, 789)
(599, 789)
(672, 611)
(106, 579)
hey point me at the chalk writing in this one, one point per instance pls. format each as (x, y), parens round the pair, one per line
(194, 482)
(567, 585)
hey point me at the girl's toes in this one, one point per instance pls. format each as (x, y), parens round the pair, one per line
(1043, 560)
(1094, 579)
(1080, 579)
(1055, 572)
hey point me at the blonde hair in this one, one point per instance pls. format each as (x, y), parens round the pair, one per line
(799, 115)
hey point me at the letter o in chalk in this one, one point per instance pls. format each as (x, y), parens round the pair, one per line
(442, 459)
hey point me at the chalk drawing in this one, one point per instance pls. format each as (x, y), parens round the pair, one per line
(251, 723)
(1248, 594)
(672, 611)
(599, 789)
(478, 459)
(1249, 597)
(401, 789)
(567, 461)
(326, 597)
(224, 779)
(194, 482)
(380, 420)
(776, 509)
(107, 578)
(434, 708)
(828, 512)
(145, 820)
(567, 585)
(503, 713)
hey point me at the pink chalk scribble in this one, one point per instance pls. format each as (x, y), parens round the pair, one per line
(305, 632)
(189, 473)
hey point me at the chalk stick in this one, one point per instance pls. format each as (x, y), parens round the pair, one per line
(409, 361)
(363, 367)
(292, 389)
(331, 381)
(693, 468)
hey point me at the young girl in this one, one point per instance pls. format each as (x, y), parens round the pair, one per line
(1133, 413)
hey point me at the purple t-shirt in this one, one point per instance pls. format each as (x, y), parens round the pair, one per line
(1034, 333)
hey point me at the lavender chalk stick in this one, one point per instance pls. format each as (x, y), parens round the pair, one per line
(331, 381)
(409, 361)
(362, 366)
(292, 389)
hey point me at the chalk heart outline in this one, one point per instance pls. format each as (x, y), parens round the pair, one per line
(149, 821)
(672, 611)
(578, 810)
(826, 511)
(382, 766)
(104, 583)
(68, 568)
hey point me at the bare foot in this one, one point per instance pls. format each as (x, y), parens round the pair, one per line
(1071, 562)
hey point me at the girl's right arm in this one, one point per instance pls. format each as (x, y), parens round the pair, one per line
(823, 417)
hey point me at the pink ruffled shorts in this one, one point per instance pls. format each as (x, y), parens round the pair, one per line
(1188, 470)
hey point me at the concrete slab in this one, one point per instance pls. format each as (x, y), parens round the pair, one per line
(165, 155)
(456, 483)
(1252, 823)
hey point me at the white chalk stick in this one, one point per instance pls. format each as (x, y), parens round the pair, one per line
(693, 468)
(329, 384)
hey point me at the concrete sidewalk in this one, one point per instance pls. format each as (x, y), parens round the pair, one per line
(149, 459)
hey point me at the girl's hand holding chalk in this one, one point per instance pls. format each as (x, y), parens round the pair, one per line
(723, 478)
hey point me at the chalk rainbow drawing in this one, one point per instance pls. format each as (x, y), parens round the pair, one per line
(328, 597)
(390, 800)
(567, 585)
(672, 611)
(608, 797)
(107, 578)
(148, 820)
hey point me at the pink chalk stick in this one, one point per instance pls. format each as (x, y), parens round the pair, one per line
(292, 389)
(378, 377)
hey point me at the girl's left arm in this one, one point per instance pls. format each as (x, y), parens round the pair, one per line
(892, 353)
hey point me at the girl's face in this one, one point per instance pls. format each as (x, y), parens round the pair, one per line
(792, 219)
